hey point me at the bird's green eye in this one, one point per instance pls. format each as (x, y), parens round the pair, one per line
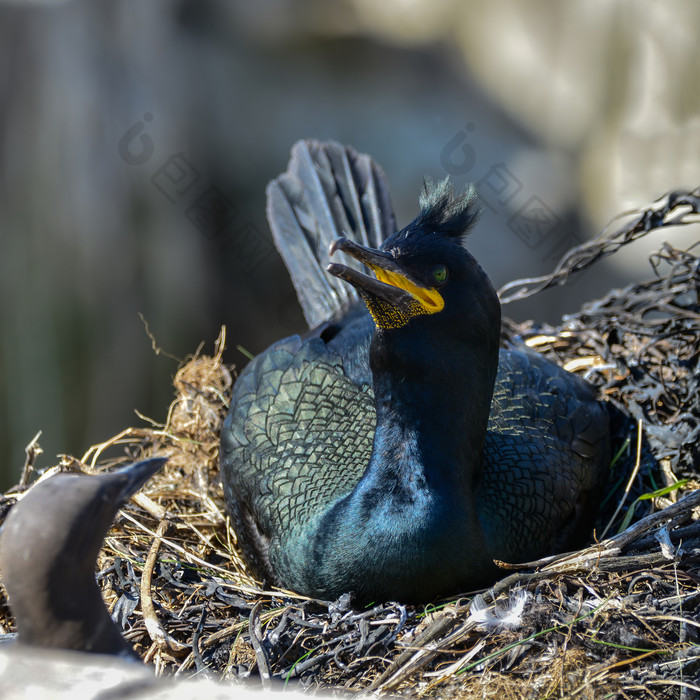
(440, 274)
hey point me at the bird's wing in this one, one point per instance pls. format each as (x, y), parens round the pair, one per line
(327, 191)
(298, 436)
(546, 464)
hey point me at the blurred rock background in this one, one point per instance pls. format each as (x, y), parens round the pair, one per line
(136, 140)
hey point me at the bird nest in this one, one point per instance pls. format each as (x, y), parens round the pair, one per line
(619, 617)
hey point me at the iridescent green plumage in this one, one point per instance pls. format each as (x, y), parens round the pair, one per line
(398, 462)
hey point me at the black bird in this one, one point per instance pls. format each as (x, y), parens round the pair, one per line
(395, 454)
(48, 549)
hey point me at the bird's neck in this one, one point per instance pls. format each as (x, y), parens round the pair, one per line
(432, 415)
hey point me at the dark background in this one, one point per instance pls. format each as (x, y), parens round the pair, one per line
(579, 110)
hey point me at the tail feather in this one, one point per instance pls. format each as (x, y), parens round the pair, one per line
(327, 191)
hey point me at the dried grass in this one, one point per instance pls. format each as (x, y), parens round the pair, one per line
(619, 618)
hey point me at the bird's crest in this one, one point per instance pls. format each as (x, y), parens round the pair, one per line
(444, 212)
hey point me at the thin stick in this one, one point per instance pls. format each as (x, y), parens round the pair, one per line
(33, 450)
(155, 630)
(630, 482)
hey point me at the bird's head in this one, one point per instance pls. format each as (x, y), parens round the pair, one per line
(424, 277)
